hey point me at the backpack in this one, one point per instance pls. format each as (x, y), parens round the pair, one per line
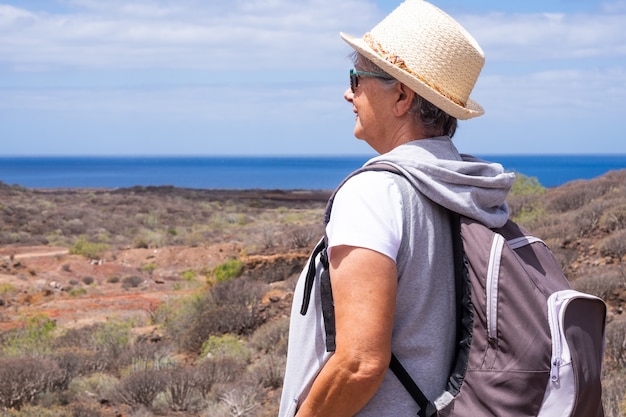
(527, 344)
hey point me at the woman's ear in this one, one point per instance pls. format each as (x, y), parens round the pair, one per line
(404, 99)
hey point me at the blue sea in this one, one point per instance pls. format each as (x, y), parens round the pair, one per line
(258, 172)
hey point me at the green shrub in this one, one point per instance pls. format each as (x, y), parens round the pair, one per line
(75, 292)
(100, 384)
(102, 346)
(225, 346)
(149, 268)
(525, 186)
(228, 270)
(6, 288)
(188, 275)
(524, 200)
(230, 307)
(87, 249)
(33, 337)
(34, 411)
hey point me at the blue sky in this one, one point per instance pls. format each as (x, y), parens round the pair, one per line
(266, 77)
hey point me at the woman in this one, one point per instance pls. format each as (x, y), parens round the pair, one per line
(390, 247)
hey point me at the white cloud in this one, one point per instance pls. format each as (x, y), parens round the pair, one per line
(614, 7)
(575, 95)
(192, 68)
(184, 34)
(540, 37)
(269, 34)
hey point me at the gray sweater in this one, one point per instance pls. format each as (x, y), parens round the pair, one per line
(424, 322)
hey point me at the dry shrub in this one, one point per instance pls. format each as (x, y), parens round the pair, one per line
(243, 291)
(140, 388)
(101, 346)
(113, 279)
(23, 378)
(614, 245)
(614, 218)
(588, 218)
(88, 280)
(74, 362)
(615, 350)
(230, 307)
(549, 229)
(272, 336)
(219, 320)
(269, 370)
(599, 282)
(132, 281)
(301, 237)
(614, 394)
(236, 402)
(81, 410)
(180, 385)
(214, 371)
(570, 196)
(564, 255)
(148, 355)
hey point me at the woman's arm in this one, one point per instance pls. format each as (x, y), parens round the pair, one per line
(364, 284)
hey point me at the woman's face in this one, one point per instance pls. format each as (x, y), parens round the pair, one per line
(372, 103)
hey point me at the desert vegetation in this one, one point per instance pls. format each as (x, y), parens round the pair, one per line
(214, 342)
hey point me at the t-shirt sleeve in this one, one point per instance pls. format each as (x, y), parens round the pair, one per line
(367, 213)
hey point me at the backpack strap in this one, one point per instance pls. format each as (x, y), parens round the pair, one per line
(427, 408)
(326, 292)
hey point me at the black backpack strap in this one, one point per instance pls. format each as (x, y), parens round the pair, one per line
(427, 408)
(310, 276)
(326, 293)
(328, 304)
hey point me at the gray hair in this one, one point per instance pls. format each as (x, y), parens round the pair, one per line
(435, 121)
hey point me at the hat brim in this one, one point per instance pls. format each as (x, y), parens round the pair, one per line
(472, 109)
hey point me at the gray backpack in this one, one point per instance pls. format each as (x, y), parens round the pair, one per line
(527, 344)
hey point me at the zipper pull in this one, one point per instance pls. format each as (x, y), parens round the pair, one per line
(554, 370)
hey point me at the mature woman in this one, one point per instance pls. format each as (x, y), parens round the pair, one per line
(390, 246)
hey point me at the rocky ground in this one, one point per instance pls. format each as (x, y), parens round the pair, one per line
(132, 282)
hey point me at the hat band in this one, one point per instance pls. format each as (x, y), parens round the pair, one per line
(399, 62)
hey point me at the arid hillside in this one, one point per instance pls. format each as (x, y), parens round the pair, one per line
(146, 288)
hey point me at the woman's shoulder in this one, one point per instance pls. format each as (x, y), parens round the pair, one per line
(370, 183)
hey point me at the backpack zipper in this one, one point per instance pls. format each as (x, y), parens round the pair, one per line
(493, 275)
(553, 321)
(557, 305)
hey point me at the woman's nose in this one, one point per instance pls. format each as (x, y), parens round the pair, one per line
(348, 95)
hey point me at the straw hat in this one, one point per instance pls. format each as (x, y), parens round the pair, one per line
(428, 51)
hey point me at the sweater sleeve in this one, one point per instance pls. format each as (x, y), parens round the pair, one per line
(367, 213)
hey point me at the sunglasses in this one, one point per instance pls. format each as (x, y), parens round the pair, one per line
(354, 77)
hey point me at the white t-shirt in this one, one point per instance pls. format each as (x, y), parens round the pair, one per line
(367, 213)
